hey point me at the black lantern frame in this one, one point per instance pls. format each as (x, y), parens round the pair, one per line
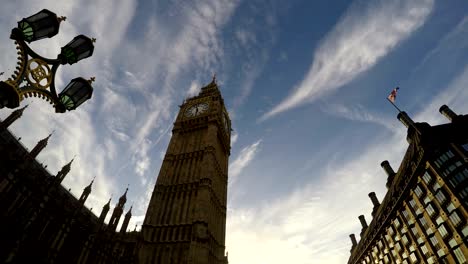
(35, 75)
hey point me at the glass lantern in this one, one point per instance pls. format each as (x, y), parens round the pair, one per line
(79, 48)
(41, 25)
(77, 92)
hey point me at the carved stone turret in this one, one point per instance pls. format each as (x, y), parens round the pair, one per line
(39, 147)
(63, 172)
(15, 115)
(86, 193)
(128, 215)
(105, 210)
(118, 211)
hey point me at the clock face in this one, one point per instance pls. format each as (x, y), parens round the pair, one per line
(196, 109)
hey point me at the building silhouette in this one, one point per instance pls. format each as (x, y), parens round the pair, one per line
(423, 216)
(42, 222)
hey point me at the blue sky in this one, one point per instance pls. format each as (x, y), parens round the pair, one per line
(305, 83)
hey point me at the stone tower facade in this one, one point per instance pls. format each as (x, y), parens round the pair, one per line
(186, 217)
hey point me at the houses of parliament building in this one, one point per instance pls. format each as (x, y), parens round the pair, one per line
(185, 223)
(423, 216)
(421, 219)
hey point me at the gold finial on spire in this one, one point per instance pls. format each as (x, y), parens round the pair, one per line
(62, 18)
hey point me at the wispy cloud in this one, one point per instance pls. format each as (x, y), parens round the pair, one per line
(234, 137)
(246, 155)
(363, 36)
(358, 113)
(312, 224)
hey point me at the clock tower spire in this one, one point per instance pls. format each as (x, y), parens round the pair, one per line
(186, 217)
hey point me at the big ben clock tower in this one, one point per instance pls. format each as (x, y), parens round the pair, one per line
(186, 217)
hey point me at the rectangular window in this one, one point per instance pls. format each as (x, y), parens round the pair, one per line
(443, 231)
(430, 210)
(398, 247)
(453, 243)
(415, 232)
(423, 222)
(406, 215)
(450, 208)
(424, 249)
(413, 257)
(435, 242)
(436, 186)
(450, 154)
(427, 178)
(404, 238)
(440, 196)
(420, 240)
(396, 223)
(459, 255)
(439, 220)
(418, 191)
(455, 218)
(465, 147)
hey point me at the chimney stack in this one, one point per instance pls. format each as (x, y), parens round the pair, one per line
(390, 173)
(353, 240)
(405, 119)
(363, 224)
(375, 202)
(374, 199)
(448, 113)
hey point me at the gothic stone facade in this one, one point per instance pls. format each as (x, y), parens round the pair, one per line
(423, 217)
(42, 222)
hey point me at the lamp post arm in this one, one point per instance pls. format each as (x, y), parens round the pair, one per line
(52, 84)
(15, 35)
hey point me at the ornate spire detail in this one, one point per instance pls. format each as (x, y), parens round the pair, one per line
(40, 146)
(64, 171)
(126, 221)
(107, 205)
(129, 213)
(86, 192)
(123, 198)
(15, 115)
(105, 210)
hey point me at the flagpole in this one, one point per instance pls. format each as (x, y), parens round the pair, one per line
(394, 105)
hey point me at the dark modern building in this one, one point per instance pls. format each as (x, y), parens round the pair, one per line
(423, 216)
(42, 222)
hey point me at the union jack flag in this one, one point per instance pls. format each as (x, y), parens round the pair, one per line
(392, 96)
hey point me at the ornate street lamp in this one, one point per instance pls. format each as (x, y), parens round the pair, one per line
(35, 75)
